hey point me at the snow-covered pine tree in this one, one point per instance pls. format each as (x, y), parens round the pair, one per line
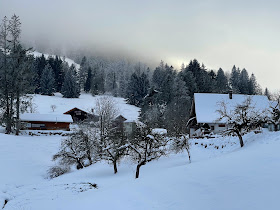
(244, 82)
(6, 90)
(87, 85)
(177, 111)
(83, 71)
(235, 79)
(137, 88)
(188, 78)
(71, 87)
(267, 93)
(47, 81)
(111, 83)
(39, 65)
(221, 82)
(254, 87)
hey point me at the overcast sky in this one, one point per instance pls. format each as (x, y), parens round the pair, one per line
(218, 33)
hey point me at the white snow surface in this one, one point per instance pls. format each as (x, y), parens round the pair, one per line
(84, 102)
(160, 131)
(67, 60)
(207, 104)
(229, 177)
(46, 117)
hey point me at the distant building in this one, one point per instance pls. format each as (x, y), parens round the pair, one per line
(118, 123)
(31, 121)
(204, 116)
(79, 115)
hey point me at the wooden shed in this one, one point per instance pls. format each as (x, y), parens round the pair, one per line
(79, 115)
(118, 123)
(31, 121)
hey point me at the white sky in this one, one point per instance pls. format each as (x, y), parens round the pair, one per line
(217, 33)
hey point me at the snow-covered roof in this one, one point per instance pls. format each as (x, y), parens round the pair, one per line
(129, 121)
(207, 104)
(46, 117)
(74, 109)
(160, 131)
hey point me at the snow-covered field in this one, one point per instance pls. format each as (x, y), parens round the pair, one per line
(85, 102)
(226, 178)
(221, 176)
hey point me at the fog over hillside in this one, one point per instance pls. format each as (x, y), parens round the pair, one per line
(217, 33)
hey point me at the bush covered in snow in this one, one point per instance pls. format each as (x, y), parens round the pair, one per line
(56, 171)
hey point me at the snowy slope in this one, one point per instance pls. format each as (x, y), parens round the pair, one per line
(85, 102)
(224, 178)
(67, 60)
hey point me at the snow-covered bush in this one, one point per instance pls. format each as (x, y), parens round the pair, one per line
(179, 144)
(56, 171)
(78, 148)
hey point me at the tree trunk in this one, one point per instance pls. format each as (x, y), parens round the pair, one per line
(115, 167)
(90, 160)
(189, 155)
(138, 169)
(79, 164)
(240, 139)
(17, 119)
(8, 119)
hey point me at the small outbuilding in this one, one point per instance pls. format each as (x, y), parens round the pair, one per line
(31, 121)
(118, 123)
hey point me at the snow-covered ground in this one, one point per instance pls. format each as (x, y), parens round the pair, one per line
(229, 177)
(85, 102)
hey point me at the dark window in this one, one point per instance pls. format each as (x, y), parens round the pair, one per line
(222, 125)
(212, 127)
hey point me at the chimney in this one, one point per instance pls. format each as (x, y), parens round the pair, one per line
(230, 94)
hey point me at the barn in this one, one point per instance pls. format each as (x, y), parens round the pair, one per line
(79, 115)
(31, 121)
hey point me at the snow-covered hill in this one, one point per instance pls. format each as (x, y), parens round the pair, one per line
(42, 104)
(67, 60)
(226, 178)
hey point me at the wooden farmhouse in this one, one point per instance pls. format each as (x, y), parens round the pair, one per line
(79, 115)
(204, 117)
(31, 121)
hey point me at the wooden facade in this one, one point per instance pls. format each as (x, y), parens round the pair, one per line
(41, 125)
(34, 121)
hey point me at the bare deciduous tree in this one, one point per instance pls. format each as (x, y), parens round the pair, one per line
(78, 148)
(145, 147)
(112, 139)
(274, 112)
(180, 144)
(107, 112)
(241, 119)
